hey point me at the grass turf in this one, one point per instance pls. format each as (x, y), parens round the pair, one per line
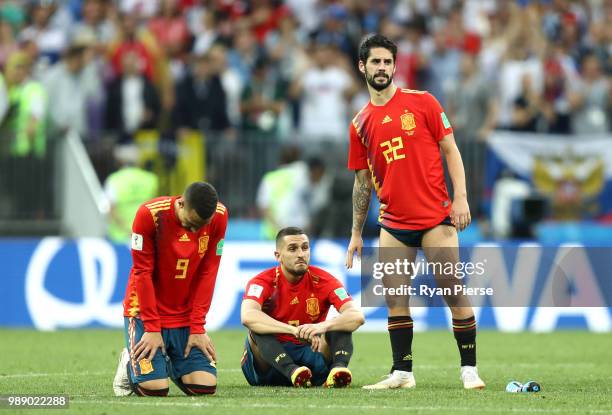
(574, 369)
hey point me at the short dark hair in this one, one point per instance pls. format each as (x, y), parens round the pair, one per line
(290, 230)
(376, 41)
(203, 198)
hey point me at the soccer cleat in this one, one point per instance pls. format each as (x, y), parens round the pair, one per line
(470, 378)
(396, 380)
(300, 378)
(121, 383)
(339, 377)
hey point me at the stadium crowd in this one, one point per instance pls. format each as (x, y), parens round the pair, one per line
(286, 70)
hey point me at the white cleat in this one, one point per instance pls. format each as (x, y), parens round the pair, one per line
(470, 378)
(396, 380)
(121, 383)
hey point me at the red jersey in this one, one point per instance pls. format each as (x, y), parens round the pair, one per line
(398, 143)
(306, 302)
(174, 270)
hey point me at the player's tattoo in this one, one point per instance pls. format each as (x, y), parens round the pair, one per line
(362, 192)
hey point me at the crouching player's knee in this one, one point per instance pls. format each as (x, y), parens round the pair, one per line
(156, 387)
(198, 383)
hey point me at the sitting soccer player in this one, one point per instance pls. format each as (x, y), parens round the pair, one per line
(284, 308)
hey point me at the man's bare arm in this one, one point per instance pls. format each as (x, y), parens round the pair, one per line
(362, 193)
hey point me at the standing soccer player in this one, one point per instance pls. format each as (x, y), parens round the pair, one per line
(290, 342)
(395, 143)
(177, 244)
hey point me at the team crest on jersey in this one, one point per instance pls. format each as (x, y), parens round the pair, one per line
(312, 308)
(146, 366)
(408, 122)
(202, 245)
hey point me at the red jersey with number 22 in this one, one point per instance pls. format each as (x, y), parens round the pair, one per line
(306, 302)
(399, 143)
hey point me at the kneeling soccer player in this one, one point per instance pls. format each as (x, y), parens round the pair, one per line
(284, 308)
(177, 244)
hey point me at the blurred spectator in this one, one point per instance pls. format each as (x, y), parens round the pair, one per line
(8, 43)
(28, 109)
(598, 43)
(471, 103)
(519, 62)
(458, 36)
(412, 48)
(306, 12)
(133, 102)
(12, 12)
(324, 89)
(126, 189)
(554, 103)
(590, 99)
(285, 47)
(71, 85)
(170, 29)
(244, 53)
(95, 23)
(129, 40)
(471, 108)
(201, 99)
(26, 178)
(525, 115)
(444, 63)
(264, 17)
(263, 99)
(206, 32)
(281, 194)
(335, 30)
(134, 39)
(50, 40)
(230, 80)
(318, 193)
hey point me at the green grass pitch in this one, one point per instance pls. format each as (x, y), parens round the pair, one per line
(574, 369)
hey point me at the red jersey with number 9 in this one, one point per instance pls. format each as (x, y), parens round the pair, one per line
(174, 270)
(399, 143)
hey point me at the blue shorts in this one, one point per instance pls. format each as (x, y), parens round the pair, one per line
(413, 238)
(163, 365)
(301, 354)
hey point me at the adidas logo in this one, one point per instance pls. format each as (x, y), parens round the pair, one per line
(184, 238)
(386, 119)
(294, 301)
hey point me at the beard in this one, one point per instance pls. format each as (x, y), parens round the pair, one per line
(298, 270)
(370, 79)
